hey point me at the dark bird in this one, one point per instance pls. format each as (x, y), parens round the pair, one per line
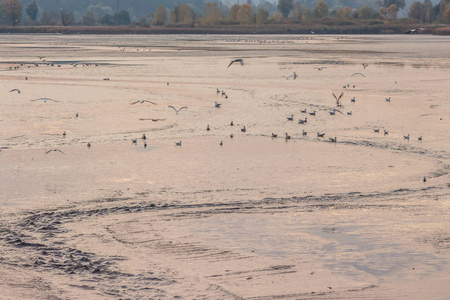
(239, 60)
(231, 136)
(388, 99)
(274, 135)
(89, 145)
(178, 143)
(221, 143)
(142, 102)
(338, 103)
(300, 121)
(415, 30)
(313, 113)
(333, 140)
(291, 118)
(419, 138)
(304, 133)
(320, 68)
(303, 111)
(376, 130)
(287, 136)
(45, 99)
(177, 110)
(243, 129)
(150, 119)
(217, 104)
(54, 150)
(365, 65)
(358, 74)
(145, 144)
(76, 115)
(353, 100)
(321, 135)
(15, 90)
(207, 127)
(231, 123)
(424, 179)
(406, 137)
(134, 141)
(144, 137)
(349, 113)
(386, 132)
(64, 134)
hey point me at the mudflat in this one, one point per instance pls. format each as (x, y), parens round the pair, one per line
(362, 212)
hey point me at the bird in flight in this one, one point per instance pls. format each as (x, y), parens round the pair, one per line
(15, 90)
(41, 57)
(142, 102)
(54, 150)
(150, 119)
(177, 110)
(338, 98)
(239, 60)
(365, 65)
(415, 30)
(320, 68)
(358, 74)
(44, 99)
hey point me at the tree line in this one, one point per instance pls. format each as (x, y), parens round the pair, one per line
(13, 12)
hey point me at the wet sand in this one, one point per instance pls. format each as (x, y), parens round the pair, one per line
(255, 218)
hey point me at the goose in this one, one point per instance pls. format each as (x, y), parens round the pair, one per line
(300, 121)
(207, 127)
(304, 133)
(388, 99)
(419, 138)
(239, 60)
(333, 140)
(291, 118)
(177, 110)
(231, 123)
(15, 90)
(274, 135)
(353, 100)
(231, 136)
(287, 137)
(142, 102)
(303, 111)
(145, 145)
(406, 136)
(376, 130)
(221, 143)
(321, 135)
(349, 113)
(386, 132)
(54, 150)
(313, 113)
(178, 144)
(216, 104)
(134, 141)
(243, 129)
(89, 145)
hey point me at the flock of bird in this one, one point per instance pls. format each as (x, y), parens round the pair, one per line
(177, 110)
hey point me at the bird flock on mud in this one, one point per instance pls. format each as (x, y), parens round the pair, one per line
(301, 121)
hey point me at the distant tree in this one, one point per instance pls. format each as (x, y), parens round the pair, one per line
(50, 18)
(173, 18)
(245, 14)
(107, 20)
(233, 13)
(285, 7)
(365, 12)
(387, 3)
(185, 14)
(12, 11)
(32, 10)
(123, 18)
(446, 14)
(416, 11)
(212, 13)
(262, 16)
(67, 18)
(321, 10)
(392, 12)
(160, 17)
(298, 9)
(89, 18)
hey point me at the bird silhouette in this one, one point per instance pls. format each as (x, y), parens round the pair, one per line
(338, 103)
(150, 119)
(54, 150)
(142, 102)
(15, 90)
(361, 74)
(44, 99)
(239, 60)
(177, 110)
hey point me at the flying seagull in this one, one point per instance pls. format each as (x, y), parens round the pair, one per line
(177, 110)
(54, 150)
(44, 99)
(415, 30)
(142, 102)
(150, 119)
(15, 90)
(358, 74)
(239, 60)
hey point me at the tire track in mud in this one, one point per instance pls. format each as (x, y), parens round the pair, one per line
(39, 239)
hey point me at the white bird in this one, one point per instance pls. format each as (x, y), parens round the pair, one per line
(177, 110)
(239, 60)
(142, 102)
(15, 90)
(45, 99)
(54, 150)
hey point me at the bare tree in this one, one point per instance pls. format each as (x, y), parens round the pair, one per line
(12, 11)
